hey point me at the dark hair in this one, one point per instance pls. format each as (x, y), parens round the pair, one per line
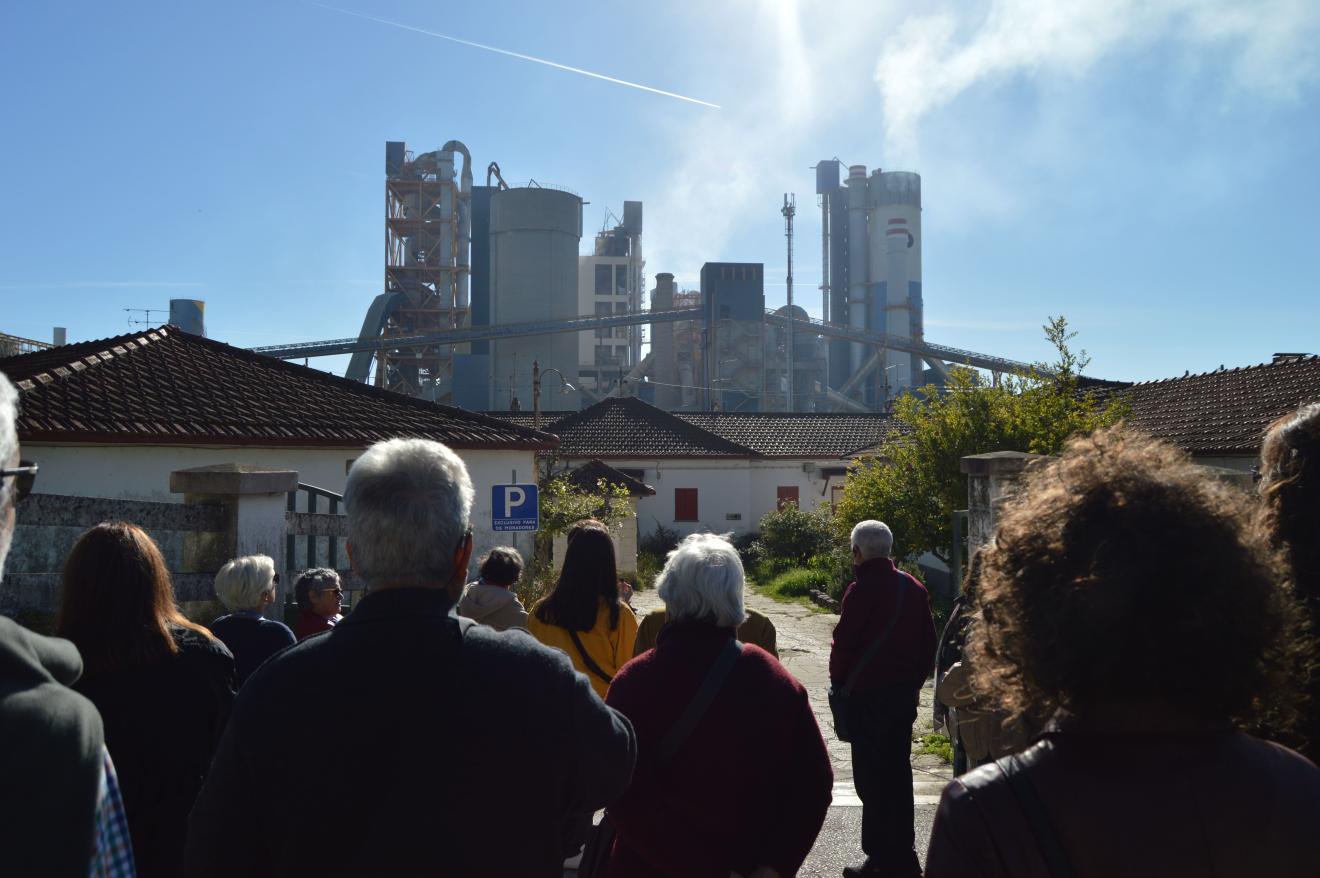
(1290, 489)
(318, 578)
(117, 603)
(502, 566)
(589, 574)
(1121, 572)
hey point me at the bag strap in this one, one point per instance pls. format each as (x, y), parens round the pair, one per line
(1048, 845)
(588, 660)
(710, 687)
(878, 642)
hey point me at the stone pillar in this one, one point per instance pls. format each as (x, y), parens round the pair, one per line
(255, 499)
(991, 480)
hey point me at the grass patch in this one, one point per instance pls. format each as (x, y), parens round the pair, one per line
(794, 587)
(936, 745)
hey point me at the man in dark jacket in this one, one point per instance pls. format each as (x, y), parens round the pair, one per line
(883, 602)
(408, 741)
(53, 754)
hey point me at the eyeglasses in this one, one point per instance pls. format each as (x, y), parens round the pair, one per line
(25, 475)
(339, 592)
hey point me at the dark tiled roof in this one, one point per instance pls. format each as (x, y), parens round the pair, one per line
(629, 428)
(1227, 411)
(807, 434)
(166, 386)
(587, 477)
(524, 418)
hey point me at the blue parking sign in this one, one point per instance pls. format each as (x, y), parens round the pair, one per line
(514, 507)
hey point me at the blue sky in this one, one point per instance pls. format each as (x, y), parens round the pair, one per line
(1147, 169)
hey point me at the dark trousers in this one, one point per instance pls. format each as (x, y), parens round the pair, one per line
(882, 774)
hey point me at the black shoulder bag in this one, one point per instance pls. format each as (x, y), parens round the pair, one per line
(599, 844)
(839, 698)
(587, 659)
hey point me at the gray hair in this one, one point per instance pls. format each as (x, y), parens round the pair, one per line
(241, 583)
(409, 502)
(703, 579)
(8, 446)
(873, 539)
(315, 579)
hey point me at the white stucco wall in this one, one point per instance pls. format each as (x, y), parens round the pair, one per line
(732, 495)
(142, 472)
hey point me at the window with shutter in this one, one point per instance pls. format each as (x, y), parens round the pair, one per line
(685, 504)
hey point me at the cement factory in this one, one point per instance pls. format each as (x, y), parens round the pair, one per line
(480, 282)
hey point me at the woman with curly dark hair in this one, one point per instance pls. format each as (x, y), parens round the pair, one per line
(1290, 491)
(1129, 596)
(163, 684)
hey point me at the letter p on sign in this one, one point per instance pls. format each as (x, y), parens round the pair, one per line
(513, 498)
(514, 508)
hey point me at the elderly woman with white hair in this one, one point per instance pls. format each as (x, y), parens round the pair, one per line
(732, 774)
(246, 586)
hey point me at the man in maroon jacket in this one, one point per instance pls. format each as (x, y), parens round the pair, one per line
(883, 702)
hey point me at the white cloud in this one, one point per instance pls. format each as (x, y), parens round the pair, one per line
(934, 58)
(803, 80)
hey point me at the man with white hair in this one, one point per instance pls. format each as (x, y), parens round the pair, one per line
(883, 651)
(60, 810)
(383, 747)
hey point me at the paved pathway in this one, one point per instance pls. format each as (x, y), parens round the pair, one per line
(804, 648)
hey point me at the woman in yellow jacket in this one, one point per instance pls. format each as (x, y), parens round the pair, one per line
(582, 614)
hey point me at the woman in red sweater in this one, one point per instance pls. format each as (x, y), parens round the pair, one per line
(747, 791)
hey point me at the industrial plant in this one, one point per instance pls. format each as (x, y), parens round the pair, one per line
(483, 282)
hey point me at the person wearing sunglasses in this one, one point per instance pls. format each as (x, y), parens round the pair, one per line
(61, 812)
(320, 595)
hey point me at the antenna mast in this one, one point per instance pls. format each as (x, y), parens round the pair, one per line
(789, 211)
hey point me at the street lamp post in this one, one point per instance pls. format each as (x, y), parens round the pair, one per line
(889, 403)
(536, 390)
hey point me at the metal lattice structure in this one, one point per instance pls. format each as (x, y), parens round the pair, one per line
(427, 232)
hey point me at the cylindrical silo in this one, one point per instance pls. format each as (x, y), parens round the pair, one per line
(189, 315)
(895, 269)
(857, 257)
(534, 237)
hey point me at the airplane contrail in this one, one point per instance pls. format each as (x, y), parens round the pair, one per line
(519, 55)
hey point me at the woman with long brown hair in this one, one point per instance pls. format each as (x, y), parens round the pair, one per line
(582, 614)
(163, 685)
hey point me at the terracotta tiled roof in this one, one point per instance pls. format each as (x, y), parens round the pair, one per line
(588, 476)
(166, 386)
(1224, 412)
(806, 434)
(628, 428)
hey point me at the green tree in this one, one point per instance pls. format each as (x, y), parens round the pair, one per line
(916, 482)
(562, 504)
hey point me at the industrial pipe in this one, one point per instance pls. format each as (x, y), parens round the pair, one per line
(464, 262)
(857, 258)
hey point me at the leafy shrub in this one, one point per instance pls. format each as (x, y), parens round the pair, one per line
(659, 542)
(648, 568)
(792, 537)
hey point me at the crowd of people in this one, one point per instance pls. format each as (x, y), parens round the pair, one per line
(1131, 660)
